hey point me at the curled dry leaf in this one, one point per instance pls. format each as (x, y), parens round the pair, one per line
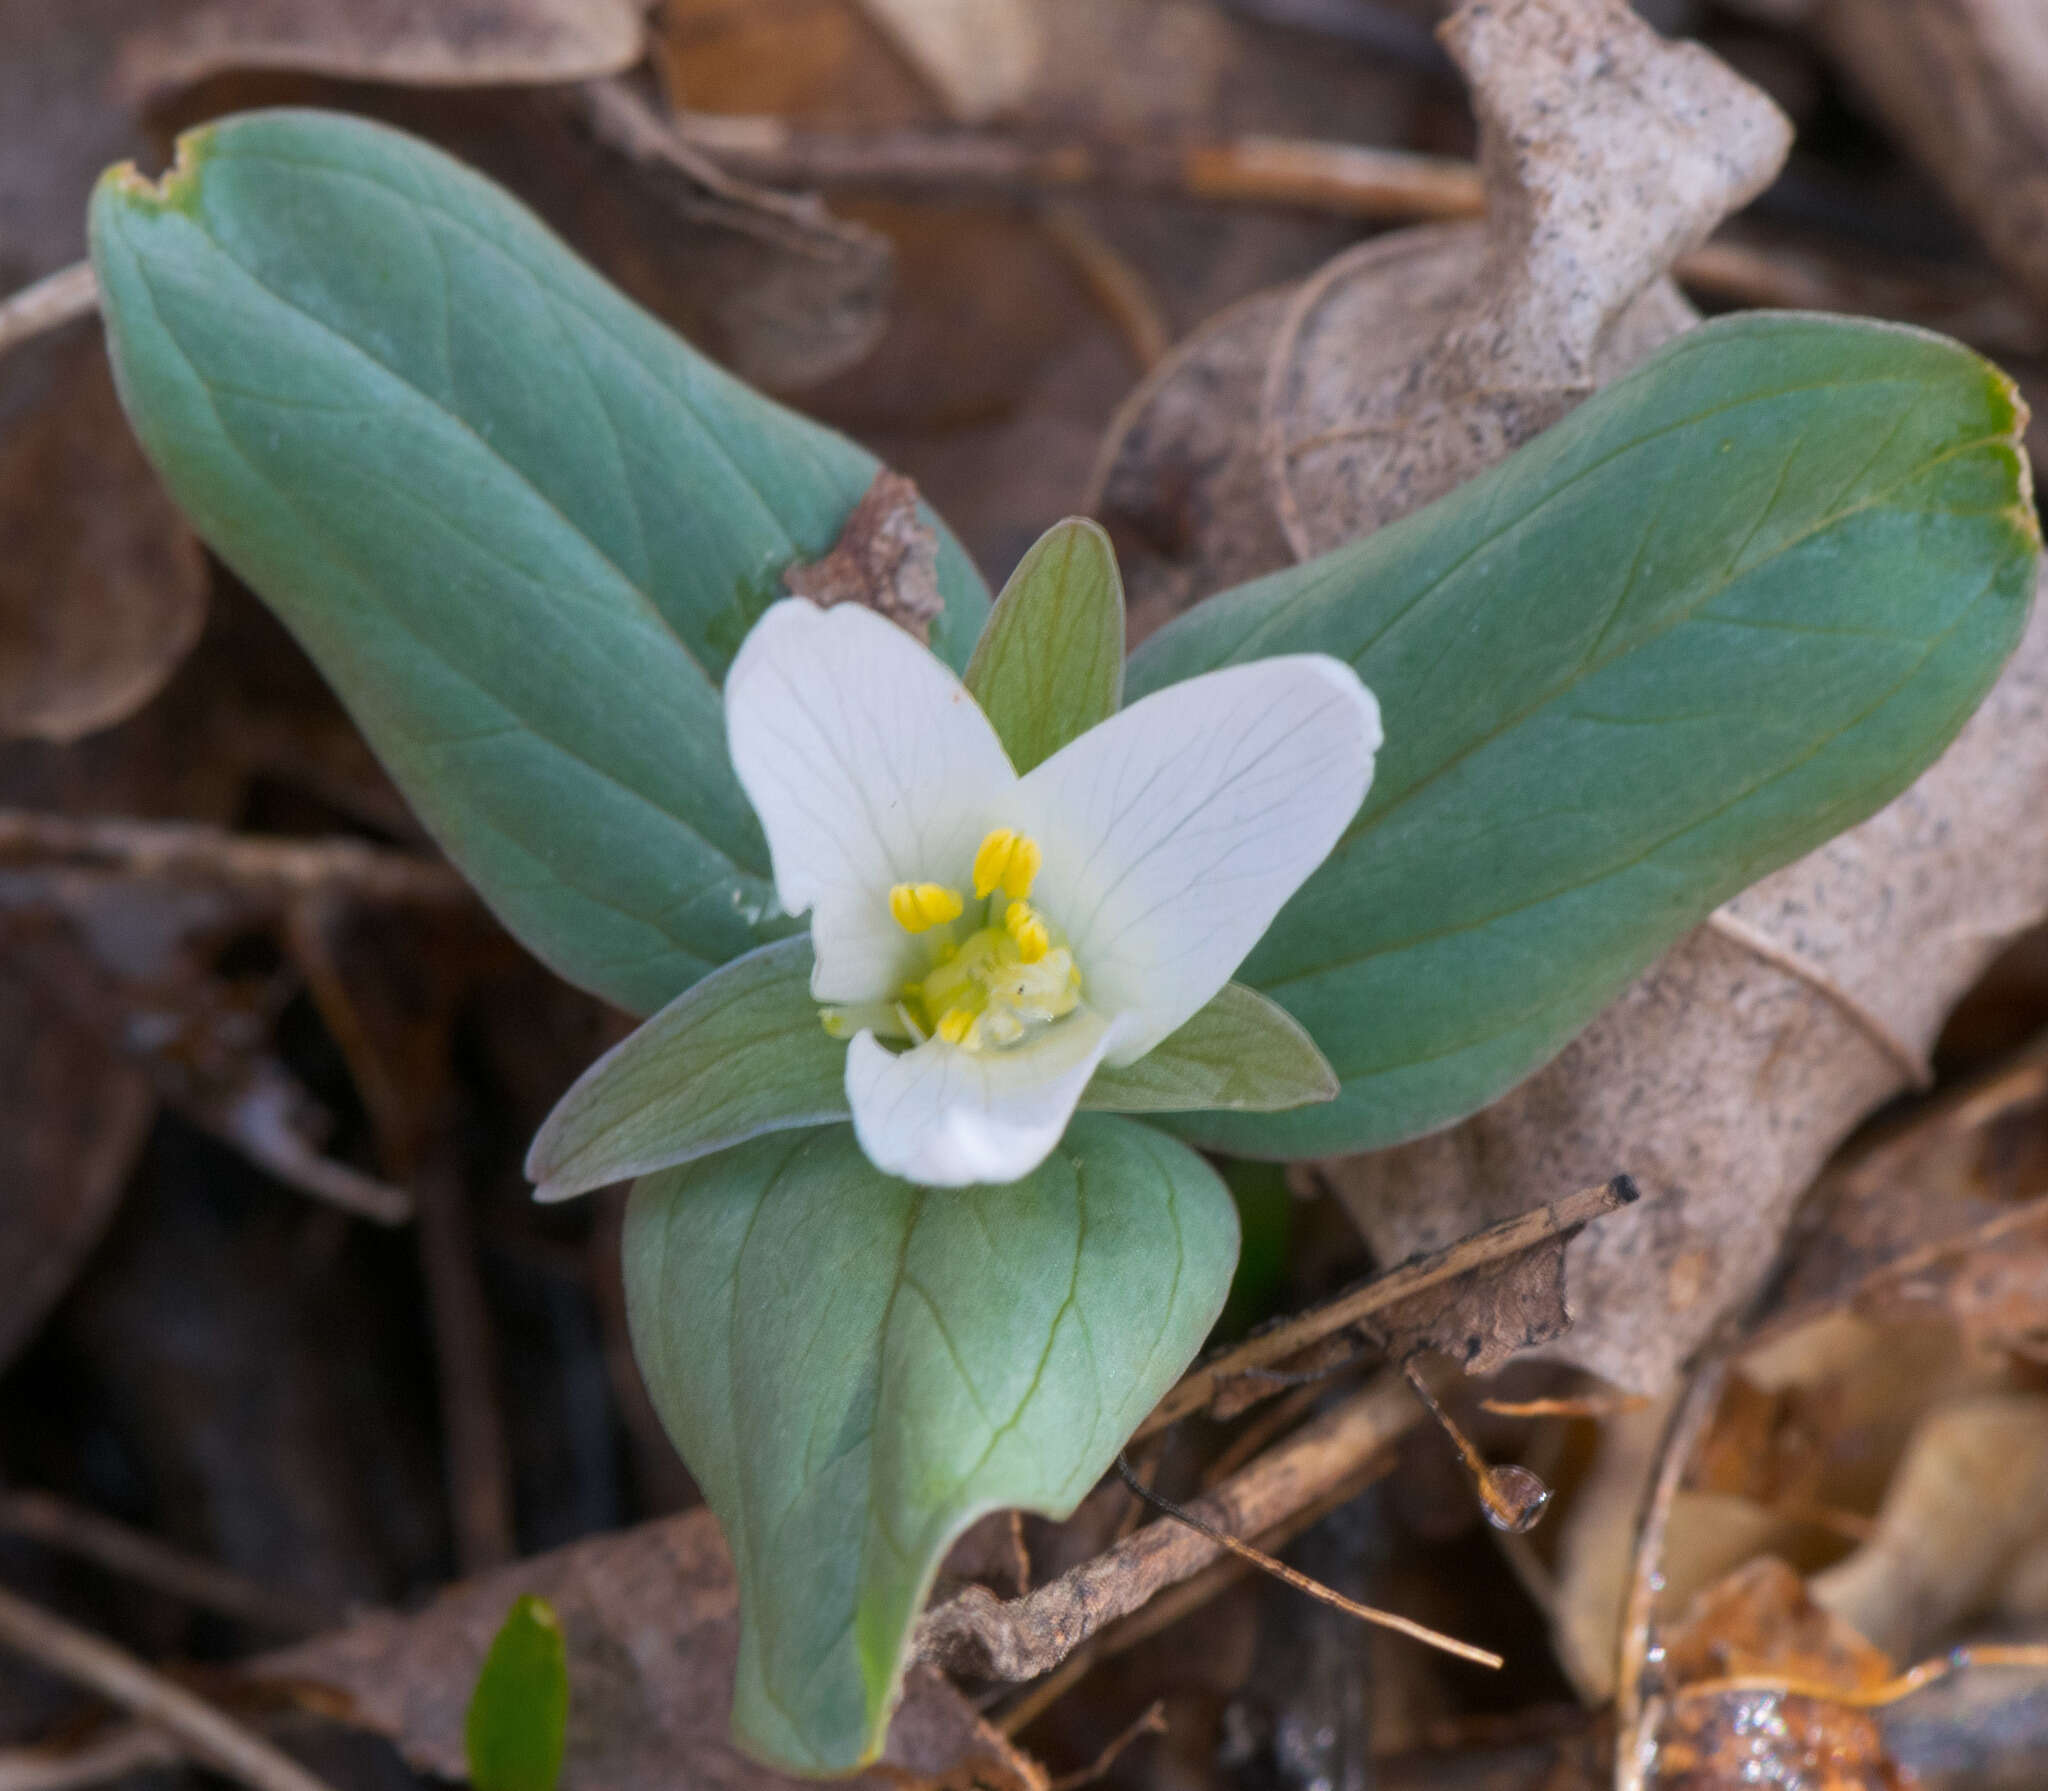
(1409, 364)
(1966, 87)
(979, 55)
(1482, 1317)
(73, 1118)
(446, 43)
(886, 557)
(1761, 1622)
(1970, 1495)
(651, 1619)
(771, 284)
(103, 587)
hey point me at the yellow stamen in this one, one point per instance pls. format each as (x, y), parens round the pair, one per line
(1033, 941)
(953, 1025)
(918, 907)
(1006, 860)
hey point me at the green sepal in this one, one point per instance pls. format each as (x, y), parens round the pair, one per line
(1050, 662)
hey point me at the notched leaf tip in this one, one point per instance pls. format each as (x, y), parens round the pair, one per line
(176, 189)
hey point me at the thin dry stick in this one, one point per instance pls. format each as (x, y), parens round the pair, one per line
(58, 1524)
(1174, 1604)
(181, 849)
(2031, 1656)
(1636, 1714)
(1152, 1722)
(1513, 1498)
(129, 1749)
(1303, 1583)
(57, 299)
(1494, 1244)
(1345, 179)
(117, 1675)
(983, 1636)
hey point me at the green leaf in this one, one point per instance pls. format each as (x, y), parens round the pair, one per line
(1241, 1052)
(741, 1053)
(855, 1369)
(519, 525)
(1050, 663)
(1727, 608)
(519, 1713)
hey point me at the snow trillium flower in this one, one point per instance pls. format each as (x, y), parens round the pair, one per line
(985, 941)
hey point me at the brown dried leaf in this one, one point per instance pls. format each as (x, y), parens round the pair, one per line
(1969, 1496)
(651, 1617)
(1419, 358)
(1482, 1317)
(978, 55)
(73, 1118)
(103, 588)
(444, 43)
(1966, 87)
(1760, 1621)
(772, 285)
(886, 557)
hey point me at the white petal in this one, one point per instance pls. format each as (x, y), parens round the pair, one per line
(869, 765)
(1175, 831)
(947, 1117)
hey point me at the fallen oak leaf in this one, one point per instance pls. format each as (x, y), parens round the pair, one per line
(1760, 1624)
(1419, 358)
(651, 1621)
(73, 1119)
(104, 589)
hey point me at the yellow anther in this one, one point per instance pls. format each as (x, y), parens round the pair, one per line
(1006, 860)
(918, 907)
(954, 1025)
(1033, 941)
(991, 860)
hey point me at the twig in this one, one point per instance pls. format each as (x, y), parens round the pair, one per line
(1152, 1722)
(129, 1749)
(51, 301)
(1636, 1714)
(1175, 1603)
(1343, 179)
(478, 1464)
(182, 850)
(987, 1638)
(1115, 285)
(1303, 1583)
(258, 1123)
(117, 1675)
(1509, 1238)
(1347, 178)
(58, 1524)
(1513, 1498)
(2030, 1656)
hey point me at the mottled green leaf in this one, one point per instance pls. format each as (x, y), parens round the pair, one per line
(855, 1369)
(1727, 608)
(520, 526)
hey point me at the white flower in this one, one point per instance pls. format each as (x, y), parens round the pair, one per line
(987, 940)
